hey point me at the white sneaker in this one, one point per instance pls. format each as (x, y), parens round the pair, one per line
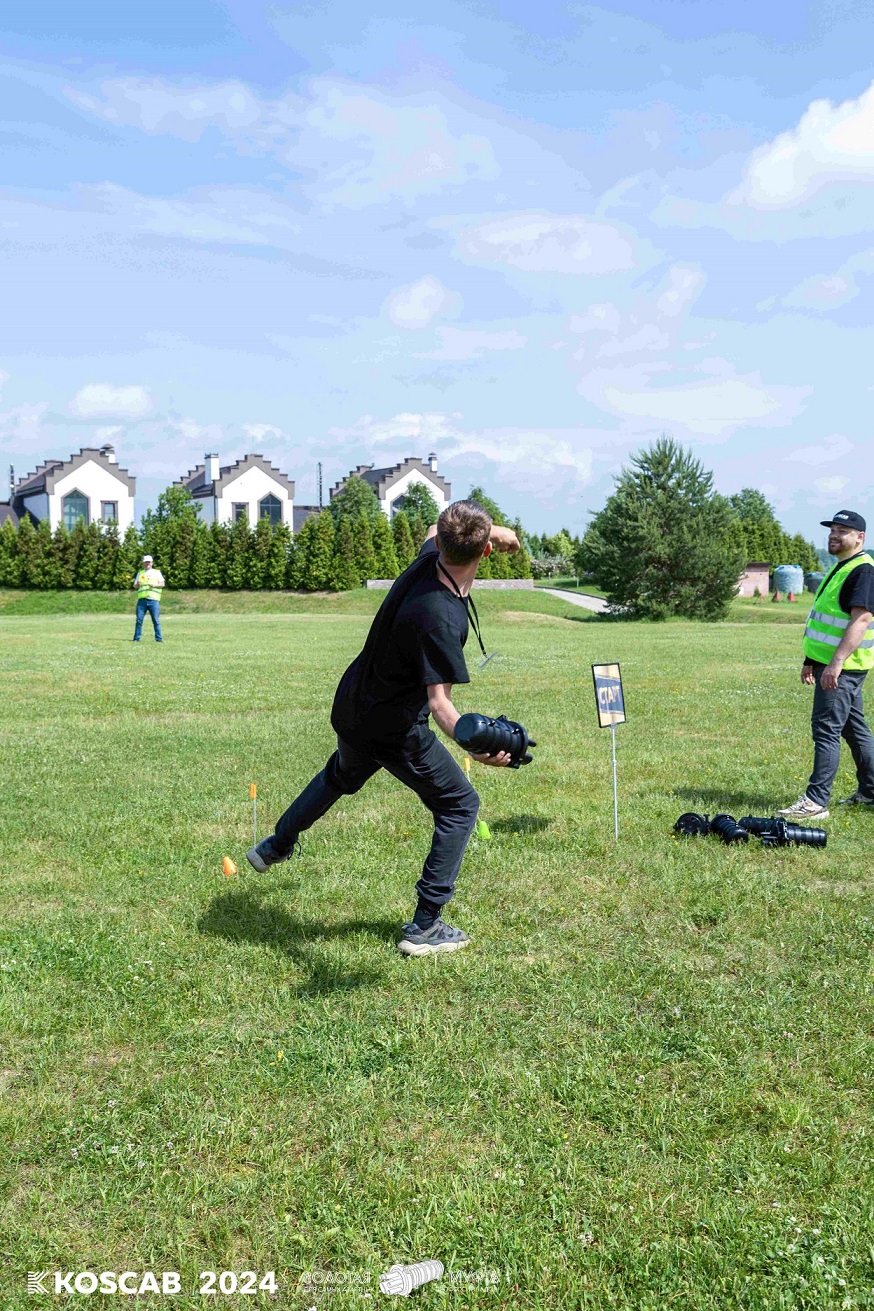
(804, 808)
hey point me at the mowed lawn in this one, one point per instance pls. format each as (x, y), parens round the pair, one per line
(647, 1083)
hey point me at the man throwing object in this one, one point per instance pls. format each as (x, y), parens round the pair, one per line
(413, 656)
(838, 652)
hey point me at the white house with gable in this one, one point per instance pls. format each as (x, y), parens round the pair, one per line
(250, 489)
(392, 483)
(88, 486)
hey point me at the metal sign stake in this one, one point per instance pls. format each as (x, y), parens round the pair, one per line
(615, 794)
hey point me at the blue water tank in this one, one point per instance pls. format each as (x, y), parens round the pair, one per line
(789, 578)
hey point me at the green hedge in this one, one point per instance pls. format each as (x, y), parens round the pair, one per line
(326, 555)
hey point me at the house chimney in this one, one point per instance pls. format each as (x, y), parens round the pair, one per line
(109, 452)
(432, 462)
(210, 469)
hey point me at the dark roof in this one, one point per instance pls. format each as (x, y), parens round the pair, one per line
(44, 478)
(301, 513)
(7, 512)
(382, 480)
(198, 487)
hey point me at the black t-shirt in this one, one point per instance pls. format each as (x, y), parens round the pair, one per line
(856, 591)
(416, 639)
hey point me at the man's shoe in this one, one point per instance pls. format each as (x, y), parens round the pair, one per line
(265, 855)
(857, 799)
(440, 937)
(804, 808)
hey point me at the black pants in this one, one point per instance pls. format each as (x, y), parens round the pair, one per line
(837, 715)
(429, 770)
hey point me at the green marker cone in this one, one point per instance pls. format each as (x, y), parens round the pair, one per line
(482, 829)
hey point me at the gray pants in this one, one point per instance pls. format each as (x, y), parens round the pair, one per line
(837, 715)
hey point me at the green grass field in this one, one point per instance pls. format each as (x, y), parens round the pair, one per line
(646, 1084)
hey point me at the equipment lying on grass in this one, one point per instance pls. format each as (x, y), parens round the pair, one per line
(487, 737)
(728, 829)
(771, 832)
(229, 869)
(400, 1280)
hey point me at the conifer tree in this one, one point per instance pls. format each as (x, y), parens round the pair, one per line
(180, 539)
(318, 575)
(365, 557)
(219, 544)
(418, 531)
(384, 550)
(259, 553)
(65, 550)
(201, 546)
(662, 544)
(345, 572)
(418, 500)
(355, 497)
(297, 565)
(87, 556)
(127, 561)
(277, 560)
(107, 556)
(238, 552)
(28, 553)
(46, 572)
(403, 540)
(10, 565)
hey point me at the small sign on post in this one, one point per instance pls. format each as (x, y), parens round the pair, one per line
(610, 704)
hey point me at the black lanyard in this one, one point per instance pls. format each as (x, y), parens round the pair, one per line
(468, 605)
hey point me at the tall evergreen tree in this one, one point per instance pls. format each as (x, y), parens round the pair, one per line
(66, 547)
(10, 565)
(219, 545)
(403, 539)
(47, 575)
(345, 572)
(201, 557)
(238, 554)
(365, 556)
(297, 567)
(88, 555)
(491, 508)
(127, 562)
(28, 553)
(179, 539)
(277, 560)
(418, 531)
(662, 544)
(259, 554)
(318, 576)
(107, 556)
(384, 550)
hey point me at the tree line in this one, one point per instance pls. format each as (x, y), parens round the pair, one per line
(335, 550)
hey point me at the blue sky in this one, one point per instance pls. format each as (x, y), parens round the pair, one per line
(530, 238)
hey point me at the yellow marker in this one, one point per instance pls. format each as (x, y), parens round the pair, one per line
(482, 829)
(253, 790)
(228, 867)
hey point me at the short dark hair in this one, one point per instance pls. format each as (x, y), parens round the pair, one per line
(463, 530)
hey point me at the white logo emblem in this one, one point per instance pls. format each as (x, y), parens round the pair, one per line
(35, 1281)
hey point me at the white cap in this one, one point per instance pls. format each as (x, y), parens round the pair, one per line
(147, 557)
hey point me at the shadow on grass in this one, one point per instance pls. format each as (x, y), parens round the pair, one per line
(519, 824)
(242, 917)
(733, 803)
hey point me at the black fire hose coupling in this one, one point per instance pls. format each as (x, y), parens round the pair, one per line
(483, 736)
(728, 829)
(796, 835)
(758, 827)
(691, 825)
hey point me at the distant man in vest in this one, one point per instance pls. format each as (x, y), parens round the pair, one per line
(838, 652)
(148, 582)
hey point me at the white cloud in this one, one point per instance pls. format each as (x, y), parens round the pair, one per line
(99, 399)
(471, 344)
(261, 432)
(415, 306)
(597, 318)
(685, 282)
(236, 215)
(830, 143)
(547, 243)
(824, 291)
(833, 448)
(156, 106)
(831, 486)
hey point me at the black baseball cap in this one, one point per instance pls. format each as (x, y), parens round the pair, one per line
(845, 519)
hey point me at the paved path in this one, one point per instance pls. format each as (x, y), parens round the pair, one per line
(596, 603)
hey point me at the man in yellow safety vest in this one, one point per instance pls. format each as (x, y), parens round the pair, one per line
(838, 652)
(148, 582)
